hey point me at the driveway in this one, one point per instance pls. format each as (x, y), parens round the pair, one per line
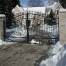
(22, 54)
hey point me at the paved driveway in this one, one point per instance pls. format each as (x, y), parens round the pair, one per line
(22, 54)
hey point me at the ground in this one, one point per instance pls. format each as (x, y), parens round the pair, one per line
(22, 54)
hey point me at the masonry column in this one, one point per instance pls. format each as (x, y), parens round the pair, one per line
(62, 26)
(2, 18)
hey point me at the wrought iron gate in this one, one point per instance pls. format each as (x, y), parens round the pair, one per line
(32, 27)
(42, 32)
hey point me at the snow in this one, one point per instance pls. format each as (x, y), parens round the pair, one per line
(53, 7)
(48, 6)
(2, 15)
(36, 9)
(6, 43)
(13, 10)
(58, 56)
(33, 41)
(62, 10)
(17, 32)
(25, 9)
(54, 48)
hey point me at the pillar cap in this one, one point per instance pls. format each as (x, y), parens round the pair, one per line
(62, 10)
(2, 15)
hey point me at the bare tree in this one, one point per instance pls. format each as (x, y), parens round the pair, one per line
(35, 3)
(53, 0)
(50, 2)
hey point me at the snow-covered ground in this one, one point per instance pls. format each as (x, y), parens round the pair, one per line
(17, 33)
(33, 41)
(20, 33)
(6, 43)
(57, 56)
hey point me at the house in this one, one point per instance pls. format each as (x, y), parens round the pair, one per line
(17, 9)
(55, 7)
(17, 12)
(33, 14)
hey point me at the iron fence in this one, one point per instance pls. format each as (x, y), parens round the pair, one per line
(30, 26)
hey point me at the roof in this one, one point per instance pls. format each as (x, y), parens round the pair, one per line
(62, 10)
(56, 5)
(17, 8)
(36, 9)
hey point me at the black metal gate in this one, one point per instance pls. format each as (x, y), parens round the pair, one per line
(41, 31)
(17, 32)
(32, 27)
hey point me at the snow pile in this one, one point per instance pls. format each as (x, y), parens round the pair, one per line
(16, 32)
(19, 33)
(53, 30)
(33, 41)
(54, 48)
(6, 43)
(59, 57)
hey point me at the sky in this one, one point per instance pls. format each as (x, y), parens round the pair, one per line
(25, 1)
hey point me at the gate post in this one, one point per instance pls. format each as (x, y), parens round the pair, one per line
(2, 19)
(4, 30)
(58, 23)
(27, 25)
(62, 26)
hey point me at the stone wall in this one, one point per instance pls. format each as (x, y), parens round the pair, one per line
(62, 26)
(2, 17)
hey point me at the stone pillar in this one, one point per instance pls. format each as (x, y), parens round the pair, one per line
(2, 18)
(62, 25)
